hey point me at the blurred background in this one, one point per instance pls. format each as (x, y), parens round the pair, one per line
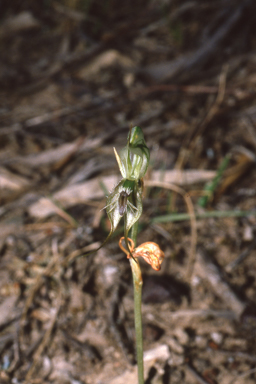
(74, 77)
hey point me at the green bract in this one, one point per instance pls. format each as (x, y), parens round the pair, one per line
(134, 157)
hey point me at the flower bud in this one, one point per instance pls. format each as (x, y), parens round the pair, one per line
(134, 158)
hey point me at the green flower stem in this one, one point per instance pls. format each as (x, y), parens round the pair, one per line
(137, 284)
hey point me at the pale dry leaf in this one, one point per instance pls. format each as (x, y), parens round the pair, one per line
(12, 182)
(106, 59)
(161, 352)
(8, 309)
(41, 314)
(22, 22)
(183, 178)
(72, 195)
(55, 155)
(84, 192)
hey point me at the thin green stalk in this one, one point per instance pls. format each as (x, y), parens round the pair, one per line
(204, 215)
(212, 185)
(137, 284)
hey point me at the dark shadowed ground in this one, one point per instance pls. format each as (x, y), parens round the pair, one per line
(74, 76)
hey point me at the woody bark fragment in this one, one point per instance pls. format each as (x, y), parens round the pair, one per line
(207, 269)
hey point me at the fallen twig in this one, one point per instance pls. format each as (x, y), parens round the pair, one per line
(196, 375)
(241, 257)
(192, 217)
(208, 270)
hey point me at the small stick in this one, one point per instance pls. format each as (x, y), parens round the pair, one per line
(210, 271)
(192, 217)
(247, 373)
(241, 257)
(196, 375)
